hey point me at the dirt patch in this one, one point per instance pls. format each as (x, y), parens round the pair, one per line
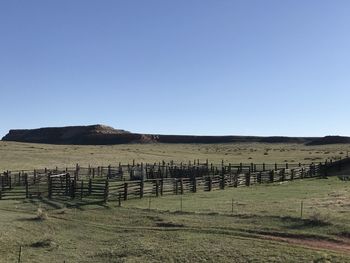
(340, 245)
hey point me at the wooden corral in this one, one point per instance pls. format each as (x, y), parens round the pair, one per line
(123, 182)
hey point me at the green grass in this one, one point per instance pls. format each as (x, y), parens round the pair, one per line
(205, 230)
(317, 195)
(264, 217)
(16, 156)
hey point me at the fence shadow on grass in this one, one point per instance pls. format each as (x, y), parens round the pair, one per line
(60, 203)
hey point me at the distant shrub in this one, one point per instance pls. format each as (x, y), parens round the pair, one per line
(318, 219)
(43, 243)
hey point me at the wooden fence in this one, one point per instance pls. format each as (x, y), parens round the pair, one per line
(121, 183)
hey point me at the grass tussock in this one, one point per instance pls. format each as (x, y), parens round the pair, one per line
(45, 243)
(41, 215)
(318, 219)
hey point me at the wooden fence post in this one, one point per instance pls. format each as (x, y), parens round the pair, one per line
(81, 189)
(142, 175)
(26, 184)
(120, 170)
(325, 170)
(90, 186)
(247, 179)
(106, 192)
(49, 184)
(282, 174)
(125, 191)
(222, 181)
(272, 176)
(20, 255)
(258, 177)
(309, 171)
(176, 186)
(157, 187)
(181, 186)
(235, 180)
(67, 184)
(161, 186)
(194, 184)
(72, 189)
(314, 169)
(2, 183)
(141, 188)
(77, 168)
(210, 184)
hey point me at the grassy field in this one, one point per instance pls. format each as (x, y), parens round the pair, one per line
(15, 156)
(265, 225)
(256, 224)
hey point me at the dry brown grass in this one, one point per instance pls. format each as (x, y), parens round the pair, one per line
(29, 156)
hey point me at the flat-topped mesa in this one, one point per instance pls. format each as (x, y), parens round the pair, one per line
(106, 135)
(93, 134)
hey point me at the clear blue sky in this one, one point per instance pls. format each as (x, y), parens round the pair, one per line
(177, 67)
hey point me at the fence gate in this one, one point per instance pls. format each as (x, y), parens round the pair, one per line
(59, 185)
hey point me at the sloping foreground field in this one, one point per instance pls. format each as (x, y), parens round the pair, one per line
(17, 156)
(257, 224)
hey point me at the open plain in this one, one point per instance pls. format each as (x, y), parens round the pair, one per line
(295, 221)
